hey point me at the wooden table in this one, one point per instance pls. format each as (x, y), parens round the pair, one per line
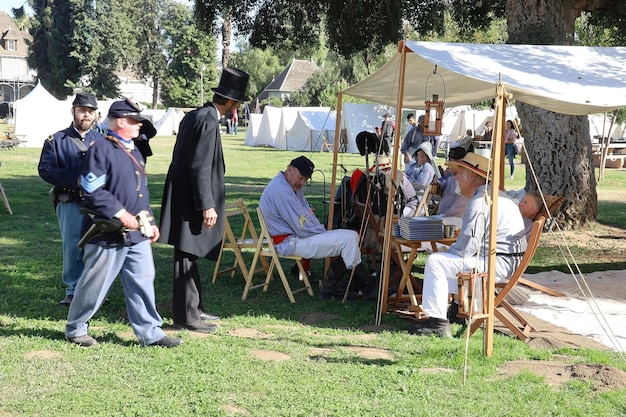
(406, 265)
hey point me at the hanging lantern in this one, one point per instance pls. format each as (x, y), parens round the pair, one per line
(472, 294)
(433, 118)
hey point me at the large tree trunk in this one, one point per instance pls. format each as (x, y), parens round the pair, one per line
(227, 34)
(559, 150)
(558, 145)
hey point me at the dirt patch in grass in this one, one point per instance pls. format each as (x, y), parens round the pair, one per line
(363, 352)
(602, 243)
(270, 355)
(250, 334)
(557, 373)
(42, 354)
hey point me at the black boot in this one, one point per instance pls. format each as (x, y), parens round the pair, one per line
(333, 285)
(365, 282)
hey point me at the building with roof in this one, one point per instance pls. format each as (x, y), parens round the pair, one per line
(292, 79)
(16, 78)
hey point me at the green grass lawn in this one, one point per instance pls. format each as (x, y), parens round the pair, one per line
(269, 357)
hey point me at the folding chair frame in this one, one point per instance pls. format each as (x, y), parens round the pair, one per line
(265, 249)
(247, 239)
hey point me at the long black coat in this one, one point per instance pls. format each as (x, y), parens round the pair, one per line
(195, 181)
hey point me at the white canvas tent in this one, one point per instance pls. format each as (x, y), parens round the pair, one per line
(357, 118)
(168, 124)
(254, 122)
(268, 129)
(563, 79)
(310, 130)
(288, 119)
(38, 115)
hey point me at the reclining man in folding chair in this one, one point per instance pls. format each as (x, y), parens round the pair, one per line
(441, 267)
(296, 230)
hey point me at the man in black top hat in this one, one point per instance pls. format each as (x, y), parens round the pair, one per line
(192, 209)
(61, 158)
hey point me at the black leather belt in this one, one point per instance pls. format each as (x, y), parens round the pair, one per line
(511, 255)
(411, 199)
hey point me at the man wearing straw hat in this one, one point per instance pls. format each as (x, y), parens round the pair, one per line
(472, 246)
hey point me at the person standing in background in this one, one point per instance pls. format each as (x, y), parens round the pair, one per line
(59, 164)
(192, 209)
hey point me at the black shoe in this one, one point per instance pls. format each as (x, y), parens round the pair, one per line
(66, 301)
(199, 327)
(84, 341)
(336, 290)
(208, 317)
(167, 342)
(453, 311)
(432, 327)
(370, 295)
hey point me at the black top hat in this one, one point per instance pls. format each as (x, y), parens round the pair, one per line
(233, 83)
(85, 100)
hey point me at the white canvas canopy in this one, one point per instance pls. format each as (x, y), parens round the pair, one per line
(563, 79)
(38, 115)
(310, 130)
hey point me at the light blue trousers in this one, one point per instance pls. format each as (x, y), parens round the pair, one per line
(70, 223)
(135, 266)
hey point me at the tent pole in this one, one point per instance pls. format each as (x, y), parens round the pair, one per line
(331, 199)
(387, 247)
(496, 180)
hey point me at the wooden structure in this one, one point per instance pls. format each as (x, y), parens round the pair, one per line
(265, 249)
(520, 326)
(247, 239)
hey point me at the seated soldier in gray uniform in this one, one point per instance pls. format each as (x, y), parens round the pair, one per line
(296, 231)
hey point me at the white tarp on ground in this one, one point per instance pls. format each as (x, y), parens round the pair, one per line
(564, 79)
(574, 312)
(310, 130)
(254, 122)
(168, 124)
(38, 115)
(356, 118)
(268, 129)
(288, 119)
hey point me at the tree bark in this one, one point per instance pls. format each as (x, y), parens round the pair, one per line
(227, 34)
(558, 145)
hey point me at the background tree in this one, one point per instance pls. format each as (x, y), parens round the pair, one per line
(263, 65)
(53, 29)
(226, 18)
(191, 55)
(557, 144)
(151, 63)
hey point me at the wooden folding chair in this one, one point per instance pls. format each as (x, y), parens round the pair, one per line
(247, 239)
(265, 249)
(422, 207)
(517, 323)
(5, 200)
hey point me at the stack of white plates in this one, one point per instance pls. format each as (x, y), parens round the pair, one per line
(421, 228)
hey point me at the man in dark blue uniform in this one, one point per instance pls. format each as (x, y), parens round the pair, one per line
(61, 158)
(114, 185)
